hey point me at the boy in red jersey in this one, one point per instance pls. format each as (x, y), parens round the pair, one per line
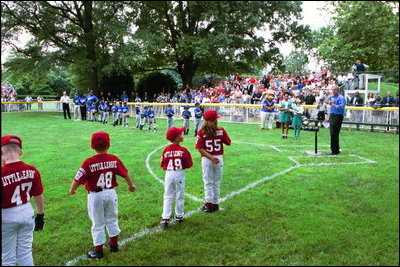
(98, 174)
(210, 140)
(174, 160)
(19, 181)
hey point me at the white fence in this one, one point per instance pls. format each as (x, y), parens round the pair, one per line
(235, 113)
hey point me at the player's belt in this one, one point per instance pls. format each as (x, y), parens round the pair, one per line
(98, 190)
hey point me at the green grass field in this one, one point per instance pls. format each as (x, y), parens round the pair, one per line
(337, 214)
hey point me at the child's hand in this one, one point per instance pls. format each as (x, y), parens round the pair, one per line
(132, 188)
(215, 160)
(72, 192)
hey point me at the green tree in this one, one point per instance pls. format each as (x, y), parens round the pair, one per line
(296, 62)
(217, 37)
(368, 31)
(77, 34)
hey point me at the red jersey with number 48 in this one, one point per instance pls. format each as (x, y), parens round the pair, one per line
(100, 171)
(175, 158)
(19, 181)
(213, 144)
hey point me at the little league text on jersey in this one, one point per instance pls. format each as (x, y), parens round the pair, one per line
(18, 176)
(170, 154)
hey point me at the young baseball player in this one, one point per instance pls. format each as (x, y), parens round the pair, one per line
(93, 113)
(186, 115)
(125, 114)
(19, 182)
(98, 174)
(151, 119)
(83, 107)
(89, 111)
(170, 116)
(116, 113)
(103, 108)
(143, 117)
(174, 160)
(198, 114)
(297, 121)
(285, 114)
(137, 112)
(210, 140)
(77, 107)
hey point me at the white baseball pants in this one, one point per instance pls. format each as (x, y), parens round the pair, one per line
(186, 123)
(137, 120)
(77, 112)
(212, 176)
(151, 124)
(174, 188)
(17, 235)
(197, 124)
(103, 212)
(170, 121)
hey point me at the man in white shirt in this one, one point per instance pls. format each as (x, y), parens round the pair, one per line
(28, 98)
(65, 101)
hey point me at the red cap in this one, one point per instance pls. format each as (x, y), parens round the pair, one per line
(11, 139)
(100, 140)
(211, 115)
(173, 132)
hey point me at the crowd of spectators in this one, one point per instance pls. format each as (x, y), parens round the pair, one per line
(248, 90)
(8, 93)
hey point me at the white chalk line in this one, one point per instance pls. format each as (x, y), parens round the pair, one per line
(148, 231)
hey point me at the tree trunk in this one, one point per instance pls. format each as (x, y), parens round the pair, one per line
(187, 68)
(90, 43)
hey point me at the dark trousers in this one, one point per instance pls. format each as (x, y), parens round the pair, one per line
(335, 124)
(66, 110)
(83, 113)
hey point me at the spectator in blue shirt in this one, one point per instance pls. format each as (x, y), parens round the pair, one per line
(338, 104)
(124, 97)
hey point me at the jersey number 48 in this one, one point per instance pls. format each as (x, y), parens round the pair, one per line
(105, 179)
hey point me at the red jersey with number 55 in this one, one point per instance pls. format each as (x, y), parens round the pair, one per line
(213, 144)
(175, 158)
(19, 181)
(100, 171)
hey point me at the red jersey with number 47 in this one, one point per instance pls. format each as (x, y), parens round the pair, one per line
(19, 181)
(175, 158)
(100, 171)
(213, 144)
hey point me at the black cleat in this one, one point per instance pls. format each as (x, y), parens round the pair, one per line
(113, 248)
(164, 222)
(206, 208)
(215, 207)
(94, 254)
(179, 218)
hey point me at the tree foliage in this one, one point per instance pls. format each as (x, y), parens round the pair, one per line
(77, 34)
(214, 36)
(154, 83)
(296, 62)
(368, 31)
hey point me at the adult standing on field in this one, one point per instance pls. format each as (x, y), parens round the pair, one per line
(336, 112)
(19, 182)
(40, 102)
(65, 101)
